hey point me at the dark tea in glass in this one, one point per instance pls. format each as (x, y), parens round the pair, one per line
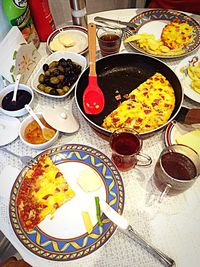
(126, 145)
(109, 40)
(177, 169)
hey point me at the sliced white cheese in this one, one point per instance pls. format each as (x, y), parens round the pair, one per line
(55, 45)
(191, 139)
(89, 180)
(66, 40)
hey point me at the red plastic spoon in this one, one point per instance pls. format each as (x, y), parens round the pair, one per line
(93, 97)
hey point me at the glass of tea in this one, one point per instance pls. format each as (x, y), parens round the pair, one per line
(176, 170)
(126, 145)
(109, 40)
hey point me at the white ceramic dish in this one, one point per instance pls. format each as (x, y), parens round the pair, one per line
(185, 79)
(175, 129)
(76, 58)
(76, 33)
(8, 89)
(9, 129)
(42, 146)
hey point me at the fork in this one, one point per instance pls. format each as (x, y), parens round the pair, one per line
(26, 160)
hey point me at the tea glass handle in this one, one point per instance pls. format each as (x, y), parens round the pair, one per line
(165, 192)
(145, 160)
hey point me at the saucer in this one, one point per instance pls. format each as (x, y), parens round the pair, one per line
(9, 129)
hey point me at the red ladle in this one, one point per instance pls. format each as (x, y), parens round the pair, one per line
(93, 97)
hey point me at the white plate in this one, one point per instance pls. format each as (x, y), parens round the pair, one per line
(153, 21)
(64, 237)
(175, 129)
(185, 79)
(77, 33)
(76, 58)
(9, 129)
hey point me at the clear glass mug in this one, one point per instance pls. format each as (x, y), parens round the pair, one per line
(126, 145)
(176, 170)
(109, 40)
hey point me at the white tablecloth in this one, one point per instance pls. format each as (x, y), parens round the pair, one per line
(172, 226)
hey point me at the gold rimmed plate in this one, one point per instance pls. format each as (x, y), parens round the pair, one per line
(64, 237)
(153, 21)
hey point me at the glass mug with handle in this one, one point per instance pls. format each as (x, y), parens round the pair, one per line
(126, 145)
(176, 170)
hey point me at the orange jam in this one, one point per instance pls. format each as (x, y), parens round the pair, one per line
(33, 132)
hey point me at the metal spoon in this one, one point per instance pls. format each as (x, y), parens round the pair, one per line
(47, 132)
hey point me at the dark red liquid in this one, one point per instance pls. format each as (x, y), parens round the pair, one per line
(125, 144)
(109, 44)
(109, 37)
(23, 98)
(177, 166)
(124, 147)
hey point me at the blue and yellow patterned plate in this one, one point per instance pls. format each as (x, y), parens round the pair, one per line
(64, 237)
(154, 20)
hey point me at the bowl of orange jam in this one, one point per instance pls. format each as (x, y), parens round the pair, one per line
(31, 134)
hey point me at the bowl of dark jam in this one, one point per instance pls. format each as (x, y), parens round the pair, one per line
(16, 108)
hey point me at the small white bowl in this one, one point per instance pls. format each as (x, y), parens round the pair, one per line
(42, 146)
(76, 58)
(77, 34)
(8, 89)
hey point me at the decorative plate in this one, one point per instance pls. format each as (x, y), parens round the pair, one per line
(153, 21)
(175, 129)
(184, 78)
(64, 238)
(79, 35)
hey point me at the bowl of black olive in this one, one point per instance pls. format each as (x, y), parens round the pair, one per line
(57, 75)
(16, 108)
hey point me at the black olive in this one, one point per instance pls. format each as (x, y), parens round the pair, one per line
(65, 81)
(73, 78)
(46, 79)
(53, 92)
(45, 67)
(63, 62)
(69, 62)
(55, 72)
(77, 69)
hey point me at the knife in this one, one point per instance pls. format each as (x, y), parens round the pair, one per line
(128, 230)
(188, 116)
(103, 20)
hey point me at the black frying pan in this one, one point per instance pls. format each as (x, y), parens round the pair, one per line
(124, 72)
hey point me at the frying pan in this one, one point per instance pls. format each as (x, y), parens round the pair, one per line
(124, 72)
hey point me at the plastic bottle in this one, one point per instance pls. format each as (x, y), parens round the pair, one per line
(5, 27)
(42, 18)
(18, 14)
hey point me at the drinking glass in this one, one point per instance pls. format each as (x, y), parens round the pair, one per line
(109, 40)
(126, 145)
(176, 170)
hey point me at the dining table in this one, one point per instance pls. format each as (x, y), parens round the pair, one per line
(172, 226)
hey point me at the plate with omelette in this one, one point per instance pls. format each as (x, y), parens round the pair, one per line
(53, 209)
(188, 72)
(163, 33)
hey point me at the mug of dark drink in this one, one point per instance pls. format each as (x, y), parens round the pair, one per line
(126, 145)
(176, 170)
(109, 40)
